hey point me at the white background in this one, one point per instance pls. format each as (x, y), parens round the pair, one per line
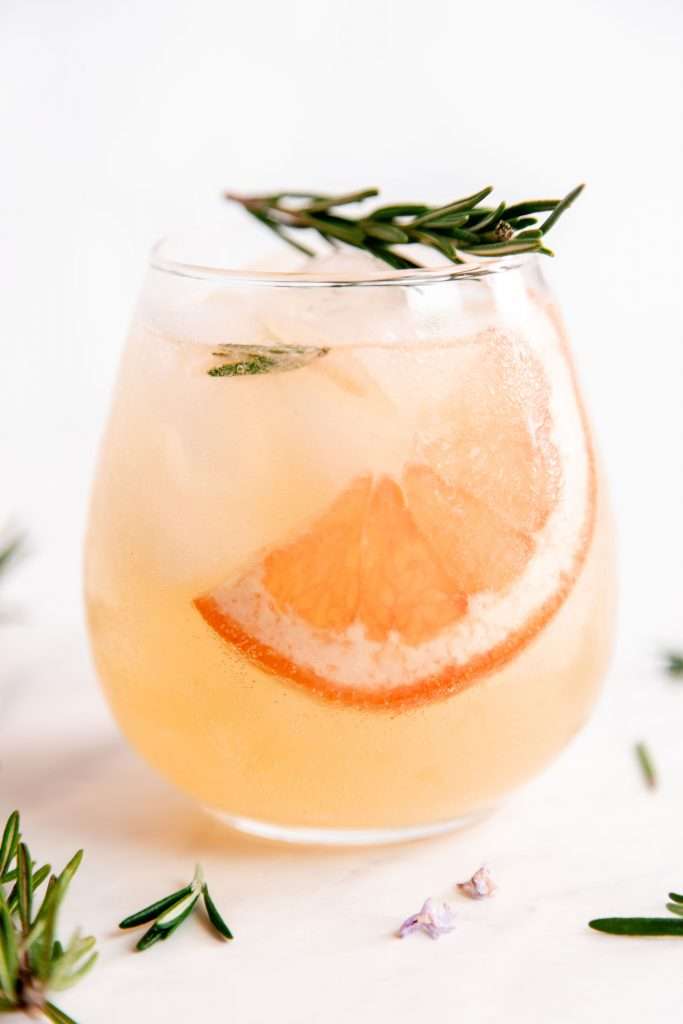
(123, 121)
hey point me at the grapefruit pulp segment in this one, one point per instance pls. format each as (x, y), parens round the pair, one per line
(414, 584)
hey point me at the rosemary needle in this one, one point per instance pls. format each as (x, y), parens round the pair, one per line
(154, 910)
(674, 663)
(647, 766)
(645, 926)
(638, 925)
(10, 551)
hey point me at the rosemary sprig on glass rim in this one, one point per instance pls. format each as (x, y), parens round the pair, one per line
(463, 225)
(32, 959)
(169, 912)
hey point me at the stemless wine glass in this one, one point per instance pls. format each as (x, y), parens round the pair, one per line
(349, 566)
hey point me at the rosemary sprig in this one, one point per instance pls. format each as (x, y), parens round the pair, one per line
(673, 663)
(10, 550)
(32, 960)
(169, 912)
(647, 765)
(452, 229)
(644, 925)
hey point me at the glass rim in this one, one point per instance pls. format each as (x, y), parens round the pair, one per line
(472, 269)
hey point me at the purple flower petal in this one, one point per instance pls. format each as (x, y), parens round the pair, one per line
(434, 919)
(410, 924)
(479, 886)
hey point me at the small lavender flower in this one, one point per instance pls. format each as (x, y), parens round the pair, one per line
(434, 919)
(479, 886)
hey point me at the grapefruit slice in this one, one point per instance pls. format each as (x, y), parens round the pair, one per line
(414, 584)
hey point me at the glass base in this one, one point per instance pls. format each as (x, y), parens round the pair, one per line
(303, 835)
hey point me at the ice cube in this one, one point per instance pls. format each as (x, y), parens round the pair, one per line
(283, 260)
(339, 313)
(416, 380)
(230, 315)
(345, 265)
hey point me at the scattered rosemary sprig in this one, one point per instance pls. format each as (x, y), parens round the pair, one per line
(240, 360)
(645, 925)
(647, 766)
(673, 663)
(32, 960)
(463, 225)
(10, 550)
(638, 925)
(169, 912)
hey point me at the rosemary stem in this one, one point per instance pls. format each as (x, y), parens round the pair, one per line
(451, 229)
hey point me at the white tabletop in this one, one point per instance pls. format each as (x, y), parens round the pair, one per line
(314, 928)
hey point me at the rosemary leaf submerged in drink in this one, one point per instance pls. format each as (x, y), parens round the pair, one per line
(240, 360)
(461, 226)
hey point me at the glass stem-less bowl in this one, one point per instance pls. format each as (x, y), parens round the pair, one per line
(349, 564)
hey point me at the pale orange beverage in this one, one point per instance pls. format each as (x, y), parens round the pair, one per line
(349, 567)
